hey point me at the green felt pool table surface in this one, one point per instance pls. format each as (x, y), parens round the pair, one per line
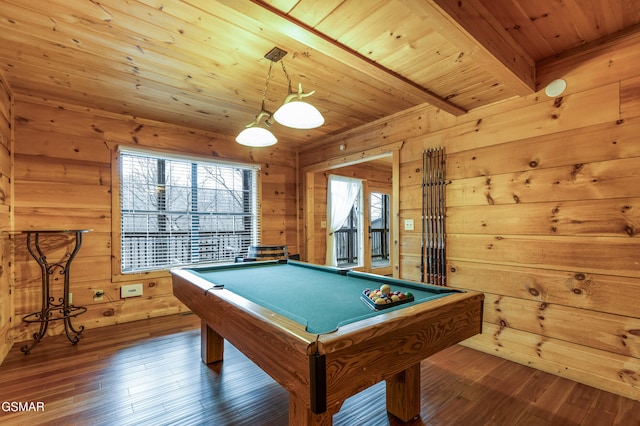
(318, 297)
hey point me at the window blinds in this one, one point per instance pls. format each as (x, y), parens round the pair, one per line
(179, 211)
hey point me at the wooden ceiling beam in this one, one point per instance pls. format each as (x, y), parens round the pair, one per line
(266, 16)
(471, 27)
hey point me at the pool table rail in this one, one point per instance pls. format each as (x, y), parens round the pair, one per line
(380, 348)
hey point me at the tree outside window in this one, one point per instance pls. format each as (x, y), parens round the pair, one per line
(180, 212)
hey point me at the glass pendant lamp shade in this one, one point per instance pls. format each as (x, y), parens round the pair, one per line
(256, 137)
(293, 112)
(299, 115)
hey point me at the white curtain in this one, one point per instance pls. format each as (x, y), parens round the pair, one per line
(342, 193)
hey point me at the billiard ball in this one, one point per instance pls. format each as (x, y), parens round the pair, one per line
(385, 289)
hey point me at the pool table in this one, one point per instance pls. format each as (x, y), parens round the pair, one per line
(307, 327)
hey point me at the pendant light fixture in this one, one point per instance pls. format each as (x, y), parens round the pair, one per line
(256, 135)
(293, 112)
(296, 113)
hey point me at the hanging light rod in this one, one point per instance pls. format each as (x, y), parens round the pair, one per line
(293, 112)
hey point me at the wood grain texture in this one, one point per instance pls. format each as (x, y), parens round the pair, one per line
(149, 373)
(200, 64)
(615, 217)
(616, 373)
(7, 309)
(354, 357)
(403, 339)
(399, 396)
(592, 292)
(64, 175)
(177, 87)
(630, 98)
(530, 24)
(541, 214)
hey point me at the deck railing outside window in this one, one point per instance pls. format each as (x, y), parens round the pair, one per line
(347, 246)
(179, 248)
(379, 243)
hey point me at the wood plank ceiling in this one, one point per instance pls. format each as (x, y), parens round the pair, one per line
(200, 63)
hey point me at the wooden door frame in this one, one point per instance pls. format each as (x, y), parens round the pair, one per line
(308, 176)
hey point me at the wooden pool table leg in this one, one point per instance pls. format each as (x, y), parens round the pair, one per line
(211, 344)
(403, 393)
(301, 415)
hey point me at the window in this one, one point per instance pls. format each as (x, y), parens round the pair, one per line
(177, 211)
(379, 228)
(347, 248)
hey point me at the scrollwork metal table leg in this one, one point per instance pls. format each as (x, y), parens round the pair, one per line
(68, 308)
(50, 309)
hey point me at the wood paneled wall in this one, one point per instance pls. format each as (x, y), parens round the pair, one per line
(542, 214)
(65, 160)
(6, 199)
(541, 210)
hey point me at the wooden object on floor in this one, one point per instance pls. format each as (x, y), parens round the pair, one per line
(149, 373)
(267, 252)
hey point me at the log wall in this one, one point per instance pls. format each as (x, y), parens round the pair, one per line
(66, 167)
(541, 210)
(542, 214)
(6, 199)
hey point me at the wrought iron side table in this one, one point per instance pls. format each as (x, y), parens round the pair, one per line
(52, 310)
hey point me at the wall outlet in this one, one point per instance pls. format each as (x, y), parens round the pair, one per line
(408, 224)
(98, 295)
(131, 290)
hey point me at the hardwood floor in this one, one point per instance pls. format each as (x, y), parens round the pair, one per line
(149, 373)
